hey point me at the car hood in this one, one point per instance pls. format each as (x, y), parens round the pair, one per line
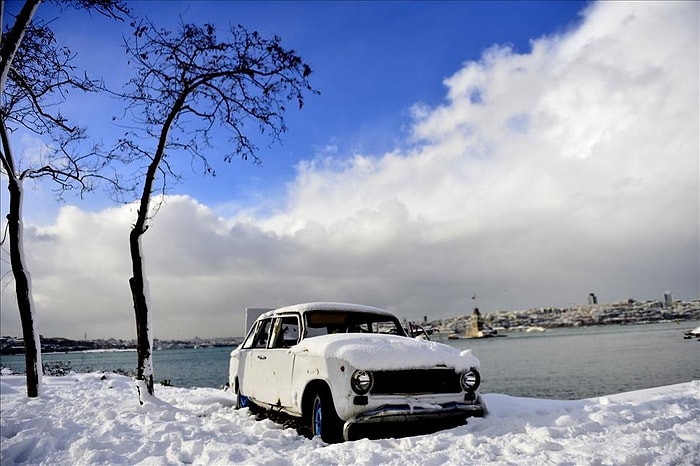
(386, 352)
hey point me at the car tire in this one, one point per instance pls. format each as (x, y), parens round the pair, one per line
(324, 420)
(241, 400)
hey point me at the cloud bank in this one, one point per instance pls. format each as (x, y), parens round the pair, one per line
(542, 177)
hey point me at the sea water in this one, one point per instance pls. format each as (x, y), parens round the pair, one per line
(575, 363)
(571, 363)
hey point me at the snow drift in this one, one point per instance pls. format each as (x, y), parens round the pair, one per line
(96, 419)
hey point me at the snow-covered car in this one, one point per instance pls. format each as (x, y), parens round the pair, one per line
(348, 371)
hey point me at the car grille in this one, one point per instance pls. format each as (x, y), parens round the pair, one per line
(415, 382)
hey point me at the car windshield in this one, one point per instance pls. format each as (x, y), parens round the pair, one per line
(326, 322)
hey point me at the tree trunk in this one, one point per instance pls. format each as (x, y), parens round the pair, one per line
(23, 281)
(14, 37)
(139, 293)
(23, 287)
(138, 282)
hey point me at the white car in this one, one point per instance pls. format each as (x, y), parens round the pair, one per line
(349, 371)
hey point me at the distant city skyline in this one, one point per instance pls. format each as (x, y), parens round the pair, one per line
(599, 314)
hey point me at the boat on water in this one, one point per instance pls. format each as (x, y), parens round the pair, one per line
(695, 333)
(527, 329)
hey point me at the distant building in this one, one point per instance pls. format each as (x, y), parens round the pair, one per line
(592, 299)
(668, 299)
(477, 328)
(476, 325)
(252, 313)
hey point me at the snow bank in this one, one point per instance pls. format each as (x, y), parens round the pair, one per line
(97, 419)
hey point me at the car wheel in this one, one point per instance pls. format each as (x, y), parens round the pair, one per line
(241, 400)
(324, 420)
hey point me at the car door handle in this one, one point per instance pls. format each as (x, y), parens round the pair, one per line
(261, 356)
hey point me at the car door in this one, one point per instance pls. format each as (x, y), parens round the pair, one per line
(280, 360)
(254, 373)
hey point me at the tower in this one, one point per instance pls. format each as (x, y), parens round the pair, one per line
(668, 299)
(592, 299)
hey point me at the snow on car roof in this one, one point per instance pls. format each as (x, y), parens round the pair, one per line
(328, 306)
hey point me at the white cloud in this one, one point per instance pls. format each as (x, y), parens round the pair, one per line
(543, 177)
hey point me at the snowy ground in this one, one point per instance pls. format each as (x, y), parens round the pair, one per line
(96, 419)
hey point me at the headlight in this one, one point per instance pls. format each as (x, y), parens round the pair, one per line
(470, 380)
(361, 382)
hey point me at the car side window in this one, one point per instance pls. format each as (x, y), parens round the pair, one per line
(285, 332)
(259, 338)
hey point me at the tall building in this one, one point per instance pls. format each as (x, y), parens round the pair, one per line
(592, 299)
(668, 299)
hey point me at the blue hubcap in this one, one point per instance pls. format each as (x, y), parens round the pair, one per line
(318, 418)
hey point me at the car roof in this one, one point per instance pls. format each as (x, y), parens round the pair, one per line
(327, 306)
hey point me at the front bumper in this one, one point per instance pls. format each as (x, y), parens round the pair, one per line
(432, 416)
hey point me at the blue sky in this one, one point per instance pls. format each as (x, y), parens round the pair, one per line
(527, 152)
(372, 62)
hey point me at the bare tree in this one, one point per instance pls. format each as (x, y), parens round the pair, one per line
(188, 86)
(35, 75)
